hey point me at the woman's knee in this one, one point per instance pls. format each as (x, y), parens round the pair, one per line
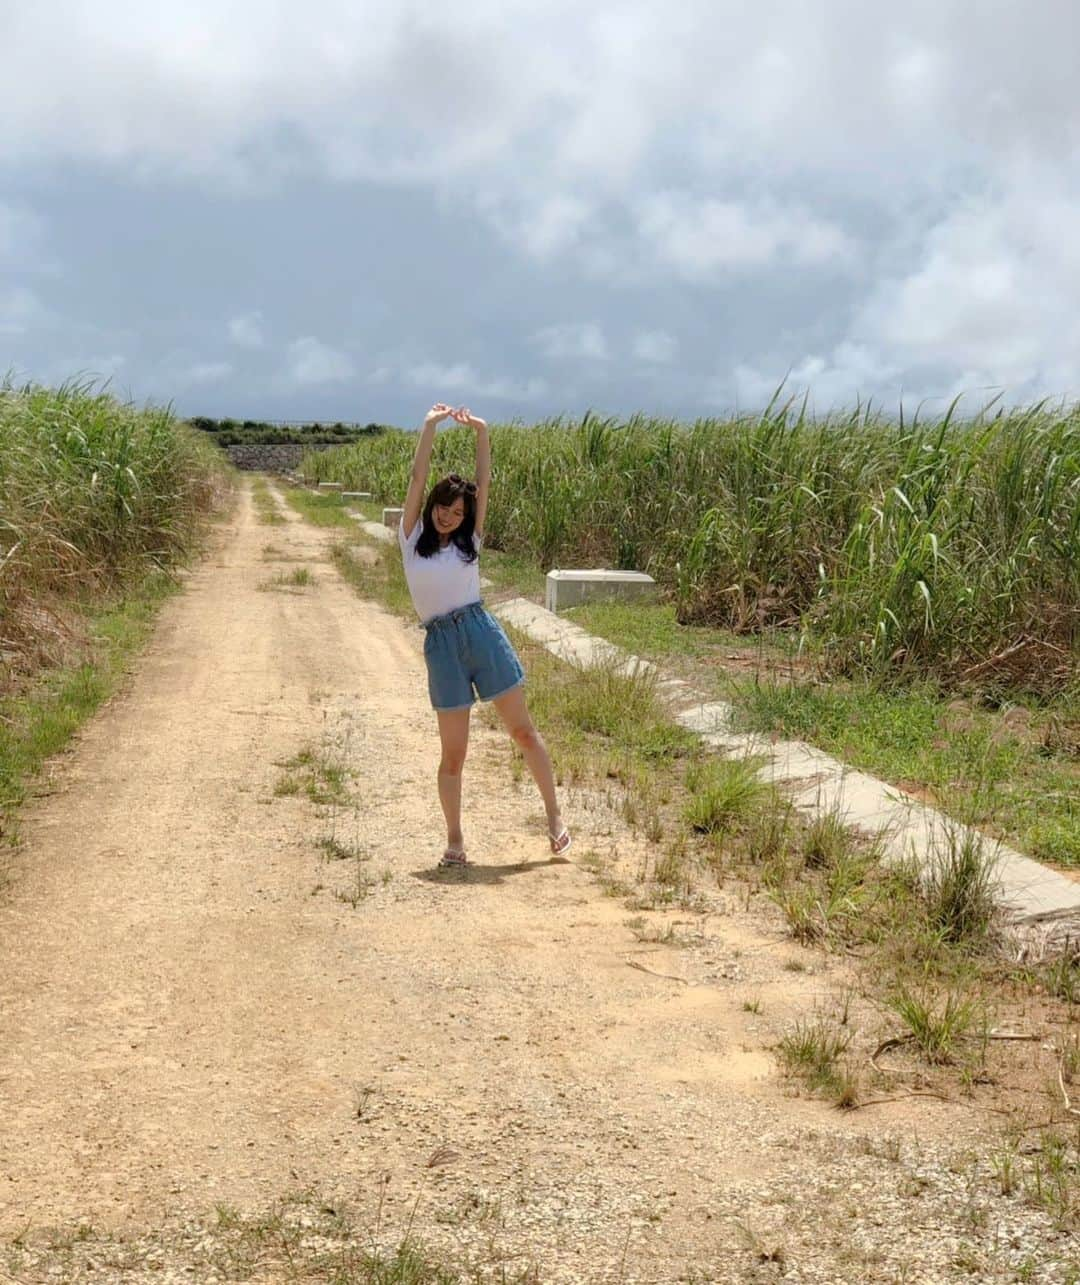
(525, 736)
(452, 761)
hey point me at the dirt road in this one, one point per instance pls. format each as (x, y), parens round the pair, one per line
(191, 1016)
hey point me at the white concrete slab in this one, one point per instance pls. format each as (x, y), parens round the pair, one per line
(356, 495)
(391, 517)
(376, 529)
(1034, 893)
(561, 637)
(569, 588)
(713, 716)
(675, 690)
(331, 486)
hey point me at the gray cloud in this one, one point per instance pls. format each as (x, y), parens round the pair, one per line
(209, 372)
(385, 90)
(20, 237)
(573, 340)
(858, 198)
(246, 330)
(310, 361)
(655, 346)
(20, 310)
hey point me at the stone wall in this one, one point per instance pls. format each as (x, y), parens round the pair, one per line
(271, 459)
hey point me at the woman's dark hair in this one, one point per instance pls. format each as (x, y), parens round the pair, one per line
(445, 493)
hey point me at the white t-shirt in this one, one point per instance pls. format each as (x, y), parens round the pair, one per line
(444, 582)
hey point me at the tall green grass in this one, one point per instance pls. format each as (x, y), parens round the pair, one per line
(97, 501)
(948, 548)
(94, 495)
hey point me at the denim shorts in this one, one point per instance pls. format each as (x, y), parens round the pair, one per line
(465, 650)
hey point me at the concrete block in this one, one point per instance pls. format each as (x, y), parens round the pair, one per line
(569, 588)
(676, 691)
(331, 486)
(299, 476)
(391, 517)
(707, 718)
(356, 495)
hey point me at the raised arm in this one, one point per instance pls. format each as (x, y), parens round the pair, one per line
(483, 462)
(414, 501)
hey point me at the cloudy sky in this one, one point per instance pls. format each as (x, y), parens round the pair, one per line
(349, 208)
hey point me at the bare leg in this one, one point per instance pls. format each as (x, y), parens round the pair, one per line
(515, 714)
(454, 734)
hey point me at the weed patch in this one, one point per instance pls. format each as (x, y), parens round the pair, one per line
(316, 773)
(936, 1026)
(306, 1236)
(382, 579)
(615, 712)
(335, 850)
(958, 887)
(298, 578)
(812, 1051)
(359, 889)
(266, 507)
(724, 794)
(325, 509)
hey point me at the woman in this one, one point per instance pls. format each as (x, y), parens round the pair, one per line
(465, 649)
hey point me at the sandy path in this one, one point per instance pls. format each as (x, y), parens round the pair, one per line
(189, 1013)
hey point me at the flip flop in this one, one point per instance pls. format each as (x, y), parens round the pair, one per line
(454, 857)
(560, 842)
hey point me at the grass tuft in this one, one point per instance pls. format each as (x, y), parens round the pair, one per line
(725, 793)
(958, 886)
(812, 1051)
(935, 1026)
(317, 773)
(298, 578)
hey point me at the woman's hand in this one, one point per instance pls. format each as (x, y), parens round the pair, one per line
(438, 413)
(465, 416)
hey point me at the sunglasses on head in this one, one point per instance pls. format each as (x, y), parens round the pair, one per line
(468, 487)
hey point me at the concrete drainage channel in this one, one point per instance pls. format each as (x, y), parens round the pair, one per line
(1042, 907)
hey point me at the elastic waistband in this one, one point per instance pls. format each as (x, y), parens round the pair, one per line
(451, 617)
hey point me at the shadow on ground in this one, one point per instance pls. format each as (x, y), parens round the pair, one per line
(483, 874)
